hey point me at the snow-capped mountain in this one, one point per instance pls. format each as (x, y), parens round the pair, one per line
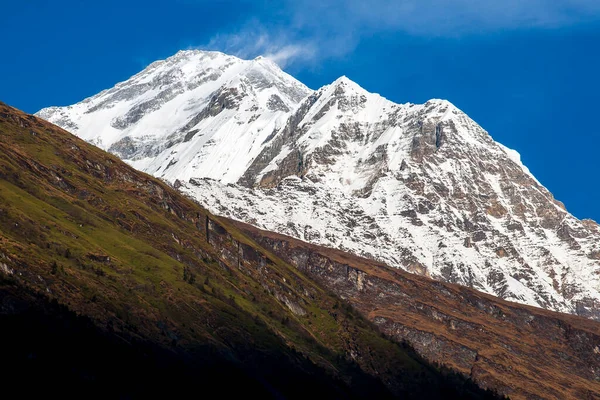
(421, 187)
(194, 114)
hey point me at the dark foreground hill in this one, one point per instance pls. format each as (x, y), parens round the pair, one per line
(521, 351)
(114, 285)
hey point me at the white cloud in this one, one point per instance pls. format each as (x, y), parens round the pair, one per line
(292, 52)
(254, 39)
(306, 31)
(444, 17)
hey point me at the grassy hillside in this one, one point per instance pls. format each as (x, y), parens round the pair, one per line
(108, 276)
(521, 351)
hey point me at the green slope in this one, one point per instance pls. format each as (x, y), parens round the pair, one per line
(89, 245)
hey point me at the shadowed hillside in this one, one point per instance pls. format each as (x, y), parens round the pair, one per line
(521, 351)
(110, 287)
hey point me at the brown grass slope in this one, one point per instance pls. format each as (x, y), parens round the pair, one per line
(113, 284)
(520, 351)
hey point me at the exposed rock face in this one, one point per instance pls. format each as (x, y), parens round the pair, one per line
(520, 351)
(423, 188)
(195, 111)
(420, 187)
(111, 279)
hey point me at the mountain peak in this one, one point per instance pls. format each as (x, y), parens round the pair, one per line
(342, 80)
(202, 287)
(345, 82)
(421, 187)
(439, 103)
(267, 63)
(198, 52)
(194, 98)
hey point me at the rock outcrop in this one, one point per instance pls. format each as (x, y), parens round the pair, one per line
(520, 351)
(419, 187)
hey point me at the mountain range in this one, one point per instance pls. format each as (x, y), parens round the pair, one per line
(114, 284)
(421, 187)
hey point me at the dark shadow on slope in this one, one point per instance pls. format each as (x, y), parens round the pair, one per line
(49, 351)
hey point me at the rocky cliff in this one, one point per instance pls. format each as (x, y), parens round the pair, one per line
(113, 284)
(520, 351)
(420, 187)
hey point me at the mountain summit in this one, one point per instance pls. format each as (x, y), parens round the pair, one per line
(195, 111)
(420, 187)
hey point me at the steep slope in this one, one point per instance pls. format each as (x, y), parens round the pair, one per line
(108, 278)
(419, 187)
(194, 114)
(520, 351)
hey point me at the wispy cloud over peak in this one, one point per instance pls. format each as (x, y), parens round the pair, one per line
(255, 39)
(307, 31)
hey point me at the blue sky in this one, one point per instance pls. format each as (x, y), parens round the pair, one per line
(527, 70)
